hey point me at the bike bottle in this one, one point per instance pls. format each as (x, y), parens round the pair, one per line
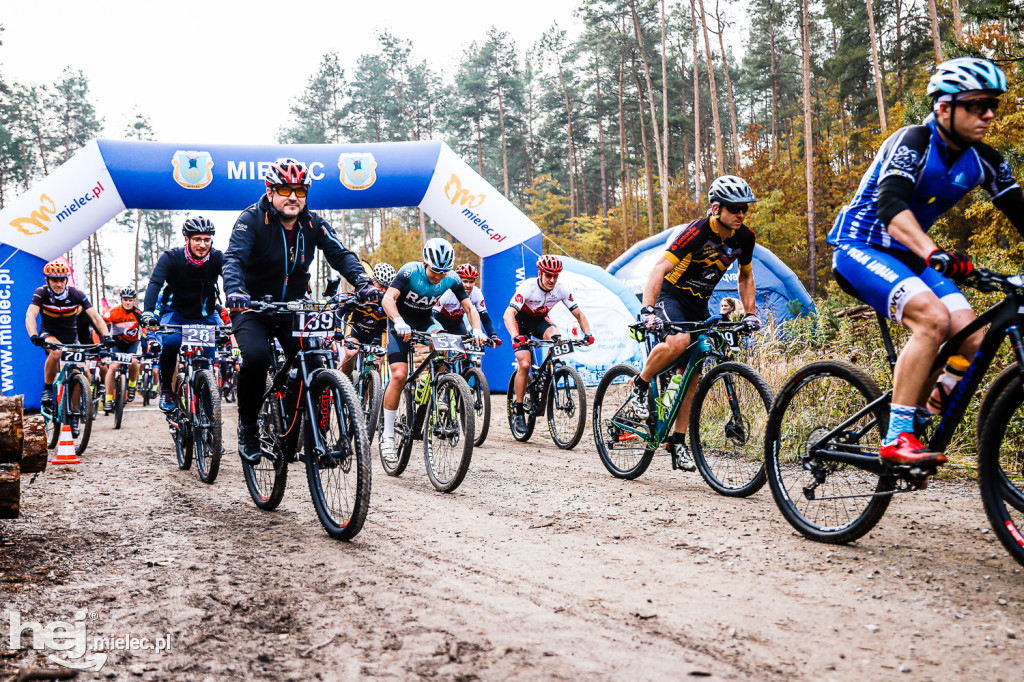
(951, 376)
(669, 395)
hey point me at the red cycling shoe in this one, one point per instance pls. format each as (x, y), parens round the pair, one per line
(908, 450)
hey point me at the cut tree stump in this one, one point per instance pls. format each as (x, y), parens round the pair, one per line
(34, 453)
(11, 430)
(10, 491)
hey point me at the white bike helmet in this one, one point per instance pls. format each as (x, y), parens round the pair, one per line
(383, 273)
(439, 254)
(965, 74)
(730, 189)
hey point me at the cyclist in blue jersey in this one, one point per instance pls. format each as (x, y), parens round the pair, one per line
(882, 253)
(409, 303)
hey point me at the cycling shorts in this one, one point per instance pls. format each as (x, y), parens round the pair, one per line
(62, 336)
(532, 325)
(451, 326)
(887, 279)
(122, 347)
(673, 309)
(363, 336)
(398, 350)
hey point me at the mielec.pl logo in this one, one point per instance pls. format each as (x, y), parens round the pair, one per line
(68, 638)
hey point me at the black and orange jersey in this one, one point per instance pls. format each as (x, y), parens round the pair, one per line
(60, 315)
(369, 319)
(125, 325)
(700, 258)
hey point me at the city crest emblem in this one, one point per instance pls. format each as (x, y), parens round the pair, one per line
(358, 169)
(192, 170)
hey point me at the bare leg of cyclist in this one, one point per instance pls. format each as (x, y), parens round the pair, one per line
(51, 367)
(111, 379)
(524, 358)
(664, 353)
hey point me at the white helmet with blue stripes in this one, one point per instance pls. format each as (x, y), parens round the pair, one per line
(438, 254)
(966, 74)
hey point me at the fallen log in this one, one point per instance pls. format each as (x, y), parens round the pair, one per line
(11, 428)
(34, 453)
(10, 491)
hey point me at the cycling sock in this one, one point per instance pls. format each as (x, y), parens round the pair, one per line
(389, 422)
(47, 387)
(901, 420)
(677, 438)
(518, 408)
(131, 384)
(110, 398)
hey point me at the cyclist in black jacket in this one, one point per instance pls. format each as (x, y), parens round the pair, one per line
(190, 273)
(272, 245)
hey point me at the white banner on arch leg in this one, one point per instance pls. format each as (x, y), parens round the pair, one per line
(63, 208)
(473, 211)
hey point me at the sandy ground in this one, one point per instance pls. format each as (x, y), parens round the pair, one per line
(541, 566)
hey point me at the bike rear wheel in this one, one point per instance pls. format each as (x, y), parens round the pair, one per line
(449, 433)
(567, 407)
(339, 477)
(480, 393)
(404, 436)
(267, 479)
(825, 500)
(120, 387)
(206, 432)
(624, 454)
(528, 413)
(145, 384)
(79, 410)
(371, 395)
(727, 423)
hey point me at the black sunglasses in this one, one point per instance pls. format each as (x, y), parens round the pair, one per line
(736, 208)
(980, 106)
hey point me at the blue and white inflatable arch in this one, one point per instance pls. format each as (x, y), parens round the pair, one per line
(107, 176)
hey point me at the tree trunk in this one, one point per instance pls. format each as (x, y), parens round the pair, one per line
(664, 121)
(899, 49)
(775, 84)
(809, 149)
(728, 85)
(648, 171)
(600, 149)
(958, 22)
(697, 184)
(34, 453)
(572, 154)
(662, 162)
(138, 234)
(623, 150)
(504, 144)
(12, 428)
(10, 491)
(719, 161)
(933, 15)
(874, 65)
(479, 149)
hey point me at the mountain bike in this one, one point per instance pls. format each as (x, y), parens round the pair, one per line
(228, 371)
(827, 423)
(145, 383)
(121, 376)
(436, 407)
(195, 422)
(98, 389)
(554, 389)
(71, 395)
(366, 380)
(307, 396)
(727, 416)
(468, 366)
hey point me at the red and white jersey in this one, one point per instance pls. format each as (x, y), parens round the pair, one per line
(530, 299)
(450, 307)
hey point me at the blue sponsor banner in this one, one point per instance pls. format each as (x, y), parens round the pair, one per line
(21, 363)
(156, 175)
(501, 274)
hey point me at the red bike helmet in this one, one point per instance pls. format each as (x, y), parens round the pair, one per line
(286, 171)
(467, 271)
(549, 263)
(56, 270)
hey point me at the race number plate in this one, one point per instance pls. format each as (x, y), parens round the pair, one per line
(123, 357)
(73, 356)
(730, 339)
(448, 342)
(561, 348)
(199, 335)
(306, 324)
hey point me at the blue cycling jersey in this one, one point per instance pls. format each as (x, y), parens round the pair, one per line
(918, 154)
(417, 295)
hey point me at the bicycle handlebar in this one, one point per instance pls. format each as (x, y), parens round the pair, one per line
(985, 280)
(713, 323)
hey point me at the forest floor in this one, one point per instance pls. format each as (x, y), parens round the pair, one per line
(540, 566)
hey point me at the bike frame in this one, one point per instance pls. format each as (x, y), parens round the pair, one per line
(1003, 320)
(67, 368)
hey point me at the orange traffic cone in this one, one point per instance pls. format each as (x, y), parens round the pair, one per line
(66, 448)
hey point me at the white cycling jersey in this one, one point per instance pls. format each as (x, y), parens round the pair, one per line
(531, 300)
(449, 306)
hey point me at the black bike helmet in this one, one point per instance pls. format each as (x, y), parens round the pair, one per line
(198, 225)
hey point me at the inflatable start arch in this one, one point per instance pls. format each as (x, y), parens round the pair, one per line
(108, 176)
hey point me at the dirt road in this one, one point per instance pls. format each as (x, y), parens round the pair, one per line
(540, 566)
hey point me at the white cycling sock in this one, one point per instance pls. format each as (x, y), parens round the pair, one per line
(389, 422)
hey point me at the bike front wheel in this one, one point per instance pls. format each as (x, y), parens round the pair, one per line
(623, 453)
(567, 407)
(1001, 466)
(79, 410)
(206, 431)
(727, 423)
(181, 430)
(120, 387)
(371, 395)
(338, 456)
(449, 433)
(827, 500)
(268, 479)
(404, 422)
(480, 393)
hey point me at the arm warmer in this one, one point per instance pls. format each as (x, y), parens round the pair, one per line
(1011, 203)
(893, 193)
